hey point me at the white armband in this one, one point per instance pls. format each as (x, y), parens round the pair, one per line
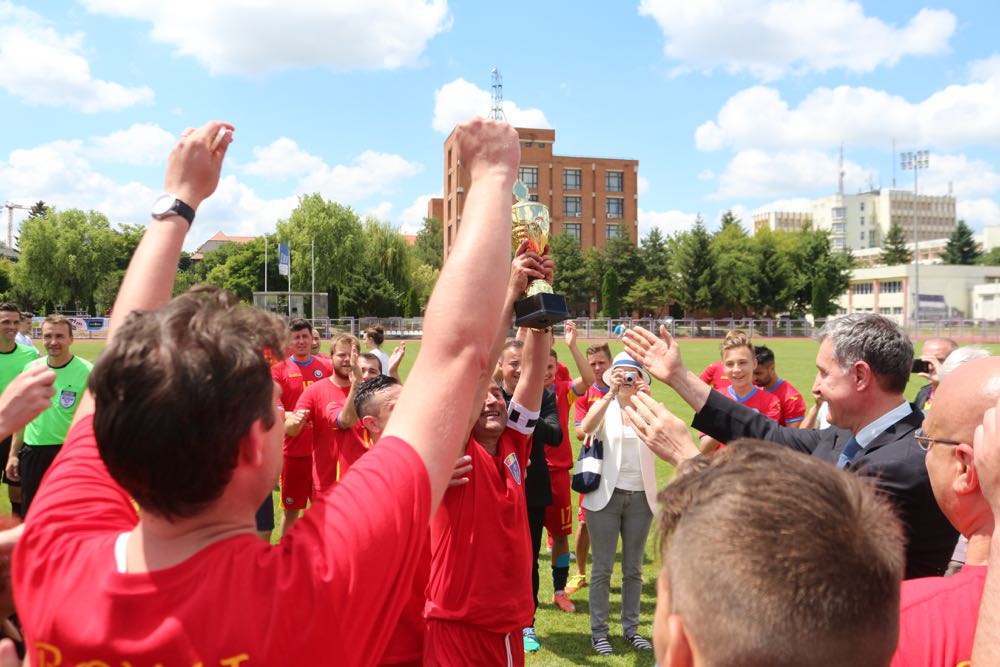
(521, 419)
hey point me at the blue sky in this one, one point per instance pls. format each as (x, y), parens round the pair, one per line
(737, 104)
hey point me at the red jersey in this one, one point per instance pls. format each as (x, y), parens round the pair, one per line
(562, 373)
(593, 394)
(329, 572)
(315, 399)
(793, 406)
(561, 457)
(715, 376)
(480, 543)
(938, 616)
(293, 377)
(758, 399)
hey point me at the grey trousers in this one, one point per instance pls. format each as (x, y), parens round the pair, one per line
(627, 514)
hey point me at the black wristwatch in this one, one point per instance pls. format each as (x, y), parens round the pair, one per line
(167, 205)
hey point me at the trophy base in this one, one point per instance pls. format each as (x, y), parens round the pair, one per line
(540, 311)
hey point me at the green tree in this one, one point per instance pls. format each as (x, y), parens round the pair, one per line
(650, 295)
(63, 257)
(894, 250)
(611, 299)
(961, 247)
(424, 278)
(622, 257)
(813, 261)
(339, 238)
(429, 246)
(237, 267)
(654, 259)
(773, 276)
(990, 258)
(733, 251)
(126, 240)
(693, 270)
(39, 210)
(107, 291)
(573, 280)
(388, 252)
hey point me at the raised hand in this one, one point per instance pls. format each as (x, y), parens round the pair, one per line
(569, 332)
(25, 398)
(463, 466)
(488, 146)
(195, 163)
(661, 356)
(526, 266)
(662, 431)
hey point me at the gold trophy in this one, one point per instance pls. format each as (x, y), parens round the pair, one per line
(540, 308)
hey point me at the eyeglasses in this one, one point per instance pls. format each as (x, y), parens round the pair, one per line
(925, 442)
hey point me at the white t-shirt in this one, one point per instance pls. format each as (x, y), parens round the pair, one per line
(383, 358)
(629, 473)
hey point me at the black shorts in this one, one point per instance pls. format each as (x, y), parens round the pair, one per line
(34, 463)
(5, 454)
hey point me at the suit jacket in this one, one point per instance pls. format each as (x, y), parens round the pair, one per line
(893, 461)
(921, 400)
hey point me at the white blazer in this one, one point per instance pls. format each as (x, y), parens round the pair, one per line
(610, 433)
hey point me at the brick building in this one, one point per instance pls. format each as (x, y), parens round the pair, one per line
(592, 199)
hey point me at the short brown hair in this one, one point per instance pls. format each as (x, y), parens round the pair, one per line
(372, 357)
(176, 391)
(735, 339)
(342, 339)
(56, 318)
(775, 558)
(599, 347)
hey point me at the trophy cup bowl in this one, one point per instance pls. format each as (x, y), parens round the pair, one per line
(540, 308)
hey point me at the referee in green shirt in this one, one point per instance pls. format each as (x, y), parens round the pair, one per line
(13, 357)
(36, 446)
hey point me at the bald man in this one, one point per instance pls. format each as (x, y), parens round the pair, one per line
(934, 351)
(938, 614)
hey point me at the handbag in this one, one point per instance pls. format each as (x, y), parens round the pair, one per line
(587, 472)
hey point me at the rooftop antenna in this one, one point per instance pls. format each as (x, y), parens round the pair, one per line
(496, 97)
(10, 206)
(840, 167)
(893, 163)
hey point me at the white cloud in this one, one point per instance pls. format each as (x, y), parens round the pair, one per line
(758, 117)
(380, 211)
(985, 69)
(140, 144)
(371, 173)
(250, 38)
(412, 217)
(668, 222)
(236, 209)
(282, 159)
(772, 38)
(43, 67)
(460, 100)
(978, 213)
(706, 175)
(969, 178)
(757, 173)
(796, 205)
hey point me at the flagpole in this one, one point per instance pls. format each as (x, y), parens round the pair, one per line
(265, 272)
(312, 297)
(289, 279)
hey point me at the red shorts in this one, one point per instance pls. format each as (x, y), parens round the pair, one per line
(559, 515)
(449, 644)
(296, 482)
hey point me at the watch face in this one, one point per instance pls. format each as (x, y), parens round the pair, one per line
(163, 204)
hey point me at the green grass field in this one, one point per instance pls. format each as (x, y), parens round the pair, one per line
(565, 637)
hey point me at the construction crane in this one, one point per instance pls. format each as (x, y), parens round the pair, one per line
(10, 206)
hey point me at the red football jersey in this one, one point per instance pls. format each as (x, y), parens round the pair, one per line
(715, 376)
(293, 378)
(480, 543)
(758, 399)
(330, 572)
(561, 457)
(562, 372)
(793, 406)
(316, 398)
(593, 394)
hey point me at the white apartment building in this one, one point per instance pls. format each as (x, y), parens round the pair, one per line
(946, 291)
(862, 220)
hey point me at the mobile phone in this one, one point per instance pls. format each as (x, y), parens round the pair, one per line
(921, 366)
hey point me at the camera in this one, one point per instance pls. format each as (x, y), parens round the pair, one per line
(630, 377)
(921, 366)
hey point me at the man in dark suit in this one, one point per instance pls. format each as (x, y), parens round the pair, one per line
(934, 351)
(863, 363)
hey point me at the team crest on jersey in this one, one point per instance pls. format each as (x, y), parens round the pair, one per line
(513, 466)
(67, 398)
(317, 373)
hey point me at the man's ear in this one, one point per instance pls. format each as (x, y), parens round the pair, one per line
(967, 480)
(368, 421)
(252, 444)
(861, 374)
(680, 651)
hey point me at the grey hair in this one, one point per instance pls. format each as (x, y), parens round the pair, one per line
(961, 356)
(875, 340)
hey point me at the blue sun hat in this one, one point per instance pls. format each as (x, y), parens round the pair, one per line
(623, 360)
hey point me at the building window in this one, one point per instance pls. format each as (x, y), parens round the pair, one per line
(613, 231)
(533, 197)
(839, 212)
(614, 181)
(572, 179)
(897, 310)
(862, 221)
(862, 208)
(862, 235)
(615, 208)
(529, 176)
(871, 237)
(890, 286)
(884, 311)
(574, 229)
(571, 207)
(861, 288)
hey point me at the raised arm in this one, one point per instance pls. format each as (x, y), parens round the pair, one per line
(465, 308)
(662, 358)
(587, 376)
(348, 416)
(192, 175)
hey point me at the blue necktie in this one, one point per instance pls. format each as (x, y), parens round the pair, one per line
(851, 450)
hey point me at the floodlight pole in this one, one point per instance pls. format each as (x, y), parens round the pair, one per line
(916, 161)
